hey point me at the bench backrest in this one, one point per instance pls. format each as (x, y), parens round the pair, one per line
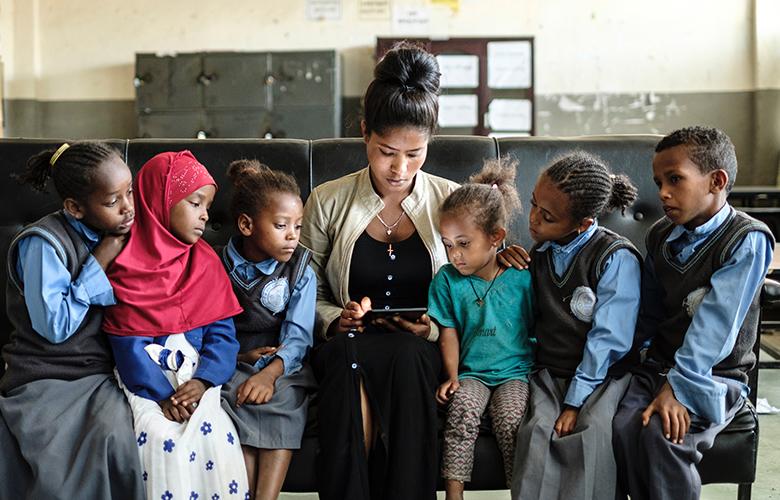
(314, 162)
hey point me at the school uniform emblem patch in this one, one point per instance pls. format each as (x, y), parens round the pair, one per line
(583, 300)
(693, 300)
(275, 295)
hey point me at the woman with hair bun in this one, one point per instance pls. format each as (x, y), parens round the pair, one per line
(375, 245)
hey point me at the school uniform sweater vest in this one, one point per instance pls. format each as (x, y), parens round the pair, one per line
(29, 355)
(259, 324)
(684, 285)
(565, 303)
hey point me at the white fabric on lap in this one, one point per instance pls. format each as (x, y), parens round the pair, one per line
(198, 459)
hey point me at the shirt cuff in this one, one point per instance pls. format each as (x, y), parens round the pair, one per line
(291, 364)
(434, 335)
(577, 393)
(94, 280)
(708, 402)
(326, 314)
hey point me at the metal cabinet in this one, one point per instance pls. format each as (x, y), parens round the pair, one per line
(239, 94)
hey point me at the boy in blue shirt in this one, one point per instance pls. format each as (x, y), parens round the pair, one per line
(704, 268)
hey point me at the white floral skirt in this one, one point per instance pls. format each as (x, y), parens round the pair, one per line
(199, 459)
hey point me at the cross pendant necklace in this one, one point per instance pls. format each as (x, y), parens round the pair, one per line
(389, 230)
(481, 300)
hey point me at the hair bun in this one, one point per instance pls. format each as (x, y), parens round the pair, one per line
(409, 66)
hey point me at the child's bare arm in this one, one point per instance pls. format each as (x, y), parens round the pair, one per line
(674, 415)
(449, 343)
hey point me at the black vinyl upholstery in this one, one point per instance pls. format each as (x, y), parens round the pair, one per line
(733, 458)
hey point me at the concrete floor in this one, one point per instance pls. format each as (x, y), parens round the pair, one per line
(766, 487)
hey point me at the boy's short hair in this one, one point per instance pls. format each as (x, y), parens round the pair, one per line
(709, 148)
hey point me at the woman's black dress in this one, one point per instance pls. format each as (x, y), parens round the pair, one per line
(400, 372)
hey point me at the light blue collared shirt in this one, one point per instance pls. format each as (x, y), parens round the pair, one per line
(57, 306)
(297, 331)
(713, 330)
(614, 315)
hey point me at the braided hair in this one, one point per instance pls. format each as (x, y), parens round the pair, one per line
(709, 148)
(590, 186)
(404, 92)
(253, 185)
(489, 196)
(73, 170)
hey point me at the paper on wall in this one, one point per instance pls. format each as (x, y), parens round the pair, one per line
(499, 135)
(509, 65)
(459, 71)
(323, 10)
(452, 4)
(509, 114)
(374, 10)
(411, 20)
(458, 110)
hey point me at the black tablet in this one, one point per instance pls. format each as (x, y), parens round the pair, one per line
(409, 313)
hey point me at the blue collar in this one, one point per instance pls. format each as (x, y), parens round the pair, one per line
(90, 236)
(267, 267)
(573, 245)
(705, 229)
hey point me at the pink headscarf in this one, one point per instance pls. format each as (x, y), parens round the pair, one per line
(163, 285)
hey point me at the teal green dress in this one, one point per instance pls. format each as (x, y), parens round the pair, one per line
(495, 337)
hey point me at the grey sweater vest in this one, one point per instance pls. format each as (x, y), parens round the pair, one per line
(561, 326)
(30, 356)
(258, 326)
(679, 281)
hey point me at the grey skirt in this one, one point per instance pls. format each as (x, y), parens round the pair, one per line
(279, 423)
(68, 439)
(579, 466)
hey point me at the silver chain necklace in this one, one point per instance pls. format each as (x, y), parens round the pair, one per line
(389, 230)
(389, 227)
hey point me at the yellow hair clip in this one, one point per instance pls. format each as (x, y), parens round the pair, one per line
(58, 153)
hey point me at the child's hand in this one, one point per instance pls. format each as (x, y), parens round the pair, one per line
(188, 394)
(255, 354)
(108, 248)
(674, 416)
(173, 412)
(514, 256)
(446, 390)
(566, 422)
(257, 389)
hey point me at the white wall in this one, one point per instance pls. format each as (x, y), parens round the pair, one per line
(84, 49)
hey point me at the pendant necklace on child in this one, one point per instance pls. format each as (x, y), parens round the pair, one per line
(389, 230)
(481, 300)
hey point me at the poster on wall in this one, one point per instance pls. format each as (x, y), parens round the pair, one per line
(374, 10)
(509, 65)
(323, 10)
(459, 71)
(509, 114)
(411, 20)
(458, 111)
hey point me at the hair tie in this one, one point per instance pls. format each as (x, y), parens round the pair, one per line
(58, 153)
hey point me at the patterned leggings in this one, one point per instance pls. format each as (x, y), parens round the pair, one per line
(506, 408)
